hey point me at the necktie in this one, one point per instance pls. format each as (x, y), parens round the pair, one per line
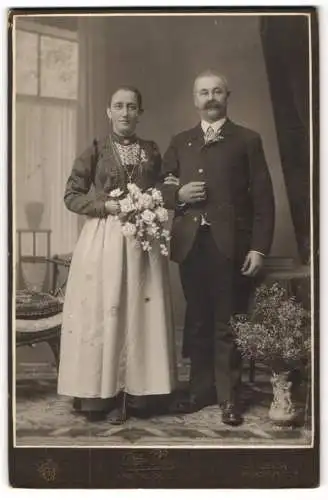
(210, 135)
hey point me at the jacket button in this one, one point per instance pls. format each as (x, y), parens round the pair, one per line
(195, 219)
(200, 170)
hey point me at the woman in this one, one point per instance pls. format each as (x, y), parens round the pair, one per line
(117, 345)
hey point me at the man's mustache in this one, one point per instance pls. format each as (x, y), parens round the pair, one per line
(212, 105)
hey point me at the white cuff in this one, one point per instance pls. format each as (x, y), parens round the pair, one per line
(260, 253)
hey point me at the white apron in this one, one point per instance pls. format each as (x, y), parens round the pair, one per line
(117, 332)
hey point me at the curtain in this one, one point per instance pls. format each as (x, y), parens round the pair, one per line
(59, 154)
(285, 46)
(45, 150)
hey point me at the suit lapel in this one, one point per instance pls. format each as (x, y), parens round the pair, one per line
(228, 129)
(222, 147)
(196, 137)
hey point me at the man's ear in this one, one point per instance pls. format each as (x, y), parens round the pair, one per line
(108, 113)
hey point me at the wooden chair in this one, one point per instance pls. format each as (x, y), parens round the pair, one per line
(39, 314)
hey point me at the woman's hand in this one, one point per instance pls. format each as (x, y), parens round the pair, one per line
(112, 207)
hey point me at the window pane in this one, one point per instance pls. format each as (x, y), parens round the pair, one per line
(26, 62)
(59, 59)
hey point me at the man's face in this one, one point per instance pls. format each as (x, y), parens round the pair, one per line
(211, 97)
(124, 112)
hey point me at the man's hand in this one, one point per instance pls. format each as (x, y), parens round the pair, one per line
(252, 264)
(192, 192)
(112, 207)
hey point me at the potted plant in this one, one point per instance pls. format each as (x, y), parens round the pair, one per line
(276, 332)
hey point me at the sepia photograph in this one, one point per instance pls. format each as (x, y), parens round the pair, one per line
(163, 229)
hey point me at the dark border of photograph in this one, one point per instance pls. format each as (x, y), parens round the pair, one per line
(169, 467)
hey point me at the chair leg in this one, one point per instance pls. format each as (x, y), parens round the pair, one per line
(55, 347)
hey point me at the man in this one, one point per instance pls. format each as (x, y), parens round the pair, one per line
(218, 184)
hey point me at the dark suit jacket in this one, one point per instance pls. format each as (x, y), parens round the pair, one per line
(240, 203)
(97, 172)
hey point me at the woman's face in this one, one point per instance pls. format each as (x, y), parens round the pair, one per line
(124, 112)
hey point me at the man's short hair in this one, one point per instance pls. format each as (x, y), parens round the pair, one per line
(210, 72)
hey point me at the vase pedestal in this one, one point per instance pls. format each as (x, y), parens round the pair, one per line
(282, 411)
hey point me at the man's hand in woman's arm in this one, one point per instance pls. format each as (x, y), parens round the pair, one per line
(112, 207)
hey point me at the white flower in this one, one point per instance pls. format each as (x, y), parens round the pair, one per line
(161, 214)
(152, 230)
(139, 222)
(166, 234)
(116, 193)
(127, 205)
(129, 229)
(145, 201)
(148, 216)
(164, 250)
(146, 246)
(133, 189)
(166, 238)
(157, 196)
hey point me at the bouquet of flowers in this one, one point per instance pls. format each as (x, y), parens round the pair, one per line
(143, 216)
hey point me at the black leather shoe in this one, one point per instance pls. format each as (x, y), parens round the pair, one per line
(77, 404)
(118, 416)
(230, 414)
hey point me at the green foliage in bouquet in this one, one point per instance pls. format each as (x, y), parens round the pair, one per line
(276, 331)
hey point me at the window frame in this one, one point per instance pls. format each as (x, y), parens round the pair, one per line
(21, 24)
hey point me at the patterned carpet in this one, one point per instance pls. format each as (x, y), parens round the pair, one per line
(45, 419)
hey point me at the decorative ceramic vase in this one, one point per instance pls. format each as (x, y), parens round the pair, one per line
(34, 212)
(282, 411)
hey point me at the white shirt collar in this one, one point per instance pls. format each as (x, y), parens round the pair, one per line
(216, 125)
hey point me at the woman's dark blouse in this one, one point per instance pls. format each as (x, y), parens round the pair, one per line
(97, 172)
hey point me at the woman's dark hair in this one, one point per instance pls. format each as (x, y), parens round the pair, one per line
(131, 89)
